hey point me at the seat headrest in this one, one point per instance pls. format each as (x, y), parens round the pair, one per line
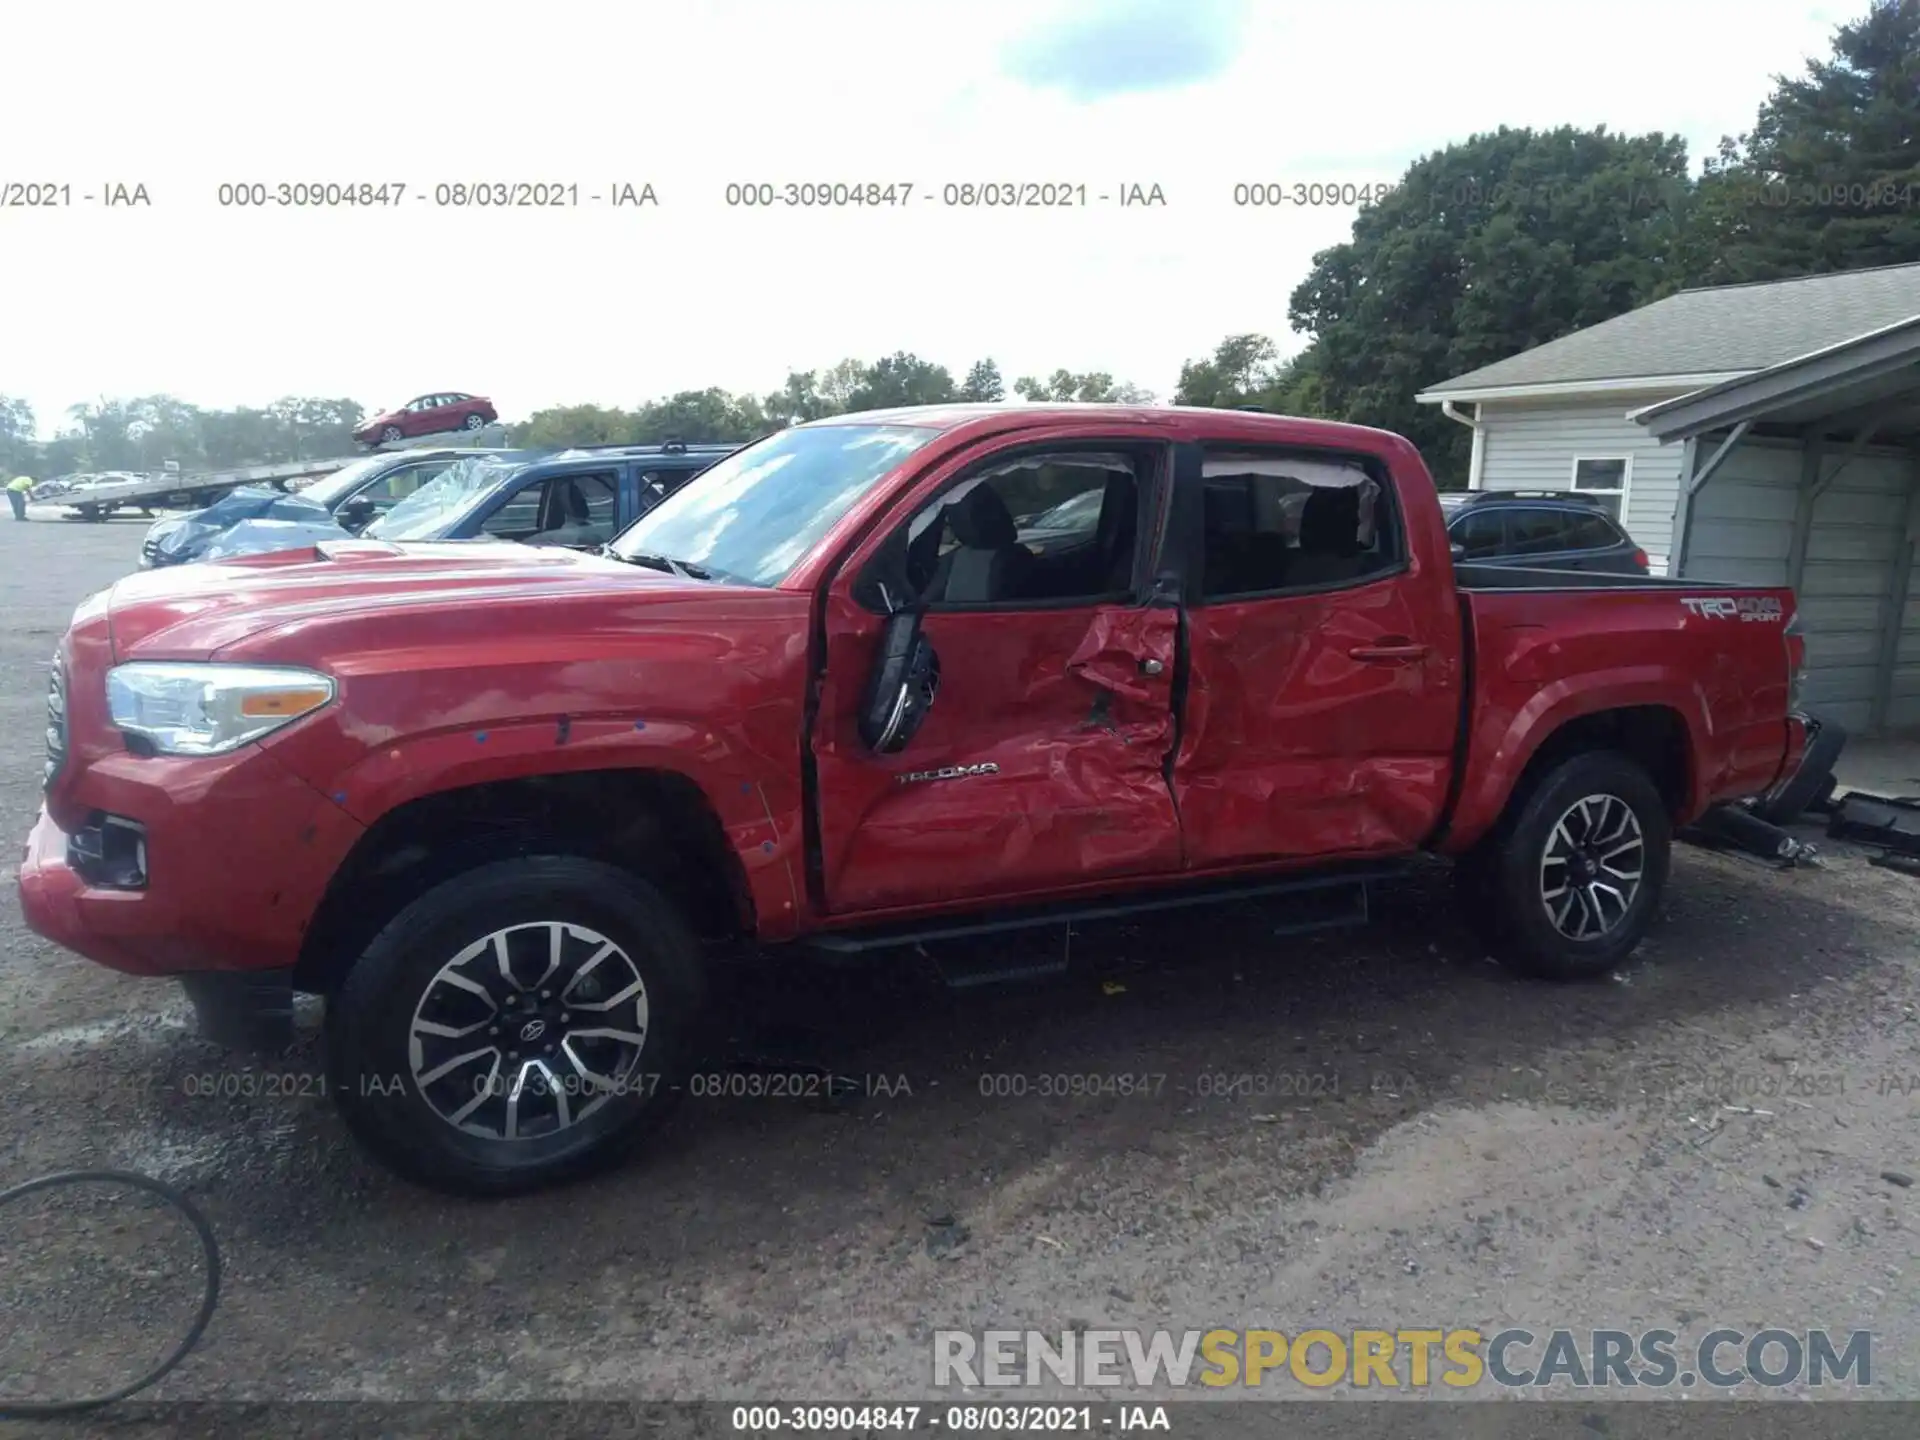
(981, 520)
(1330, 520)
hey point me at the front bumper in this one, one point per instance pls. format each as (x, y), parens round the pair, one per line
(235, 855)
(242, 1009)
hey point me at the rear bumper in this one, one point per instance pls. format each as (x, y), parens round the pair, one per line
(1801, 730)
(1813, 747)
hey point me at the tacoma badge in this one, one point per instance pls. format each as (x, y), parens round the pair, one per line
(950, 772)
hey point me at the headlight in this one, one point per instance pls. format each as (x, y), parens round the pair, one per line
(208, 709)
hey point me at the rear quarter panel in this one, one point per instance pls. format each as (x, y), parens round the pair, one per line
(1542, 657)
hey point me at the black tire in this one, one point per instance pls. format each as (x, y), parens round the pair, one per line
(391, 434)
(371, 1019)
(1505, 884)
(474, 422)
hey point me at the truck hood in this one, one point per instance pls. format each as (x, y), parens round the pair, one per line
(192, 612)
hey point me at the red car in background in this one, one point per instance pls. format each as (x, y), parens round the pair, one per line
(428, 415)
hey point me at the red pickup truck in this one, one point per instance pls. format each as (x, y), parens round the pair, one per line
(880, 678)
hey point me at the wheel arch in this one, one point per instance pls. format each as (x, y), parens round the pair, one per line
(1657, 735)
(656, 823)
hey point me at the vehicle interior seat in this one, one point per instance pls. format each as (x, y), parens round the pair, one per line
(1232, 549)
(576, 526)
(1329, 537)
(989, 563)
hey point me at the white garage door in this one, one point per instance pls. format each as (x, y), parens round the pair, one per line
(1743, 531)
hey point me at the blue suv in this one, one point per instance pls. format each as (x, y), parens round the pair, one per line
(579, 498)
(1539, 530)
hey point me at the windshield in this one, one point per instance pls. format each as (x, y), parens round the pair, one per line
(431, 509)
(1078, 510)
(329, 490)
(752, 517)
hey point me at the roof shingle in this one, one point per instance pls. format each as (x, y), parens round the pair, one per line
(1723, 329)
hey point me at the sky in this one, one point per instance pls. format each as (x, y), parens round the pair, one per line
(224, 306)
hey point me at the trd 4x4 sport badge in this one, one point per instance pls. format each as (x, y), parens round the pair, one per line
(1729, 607)
(950, 772)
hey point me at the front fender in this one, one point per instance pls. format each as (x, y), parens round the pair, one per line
(758, 812)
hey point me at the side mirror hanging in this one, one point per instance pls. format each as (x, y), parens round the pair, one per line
(900, 690)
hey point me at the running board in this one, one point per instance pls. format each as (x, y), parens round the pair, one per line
(1326, 900)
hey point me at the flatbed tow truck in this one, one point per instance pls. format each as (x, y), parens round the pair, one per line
(192, 491)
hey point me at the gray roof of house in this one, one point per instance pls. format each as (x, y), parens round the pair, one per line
(1713, 331)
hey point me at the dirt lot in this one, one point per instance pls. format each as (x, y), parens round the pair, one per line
(1371, 1129)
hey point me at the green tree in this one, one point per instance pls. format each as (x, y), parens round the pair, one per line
(902, 379)
(103, 427)
(1094, 387)
(1241, 369)
(798, 400)
(1485, 249)
(576, 425)
(983, 383)
(840, 384)
(1247, 370)
(19, 449)
(309, 427)
(62, 455)
(702, 417)
(232, 438)
(1829, 177)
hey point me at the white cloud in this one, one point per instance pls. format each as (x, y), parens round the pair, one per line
(225, 307)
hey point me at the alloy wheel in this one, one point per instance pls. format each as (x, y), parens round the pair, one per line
(529, 1030)
(1591, 870)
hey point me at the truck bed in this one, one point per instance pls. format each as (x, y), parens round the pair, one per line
(1702, 659)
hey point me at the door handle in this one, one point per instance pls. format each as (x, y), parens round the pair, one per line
(1393, 653)
(1151, 667)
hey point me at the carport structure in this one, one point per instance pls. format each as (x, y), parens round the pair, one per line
(1807, 473)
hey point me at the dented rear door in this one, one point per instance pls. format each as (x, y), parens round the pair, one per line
(1322, 694)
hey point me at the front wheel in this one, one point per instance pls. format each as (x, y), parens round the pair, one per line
(522, 1024)
(474, 422)
(1568, 888)
(391, 435)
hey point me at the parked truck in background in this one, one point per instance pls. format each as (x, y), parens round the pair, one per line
(867, 681)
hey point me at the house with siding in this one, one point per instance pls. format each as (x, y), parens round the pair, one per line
(1756, 434)
(1558, 416)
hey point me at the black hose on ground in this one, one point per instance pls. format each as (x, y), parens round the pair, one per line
(31, 1409)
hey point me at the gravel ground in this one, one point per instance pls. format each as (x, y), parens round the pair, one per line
(1411, 1137)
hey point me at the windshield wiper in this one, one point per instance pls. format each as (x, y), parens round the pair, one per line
(685, 570)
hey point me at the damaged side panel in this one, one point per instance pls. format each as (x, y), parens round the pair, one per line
(1040, 765)
(1318, 725)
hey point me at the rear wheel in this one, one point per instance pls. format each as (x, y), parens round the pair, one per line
(1568, 887)
(519, 1025)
